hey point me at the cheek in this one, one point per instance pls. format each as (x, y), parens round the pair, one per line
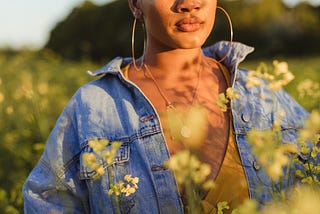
(210, 21)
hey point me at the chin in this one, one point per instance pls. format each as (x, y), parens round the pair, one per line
(190, 43)
(190, 40)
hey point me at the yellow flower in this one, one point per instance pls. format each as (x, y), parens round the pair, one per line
(299, 174)
(9, 110)
(280, 67)
(127, 188)
(43, 88)
(276, 125)
(302, 199)
(116, 189)
(27, 85)
(222, 206)
(100, 170)
(100, 151)
(315, 152)
(98, 145)
(252, 82)
(307, 180)
(309, 88)
(248, 206)
(232, 94)
(187, 167)
(272, 154)
(131, 180)
(279, 77)
(222, 102)
(1, 97)
(90, 160)
(201, 172)
(208, 185)
(305, 150)
(312, 126)
(275, 86)
(108, 155)
(282, 113)
(287, 77)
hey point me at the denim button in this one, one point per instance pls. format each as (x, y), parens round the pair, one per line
(245, 117)
(256, 165)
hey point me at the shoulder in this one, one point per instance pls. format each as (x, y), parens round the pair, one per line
(264, 104)
(109, 82)
(233, 53)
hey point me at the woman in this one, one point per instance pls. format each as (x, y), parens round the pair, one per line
(128, 104)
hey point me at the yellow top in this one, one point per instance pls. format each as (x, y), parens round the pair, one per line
(230, 183)
(125, 71)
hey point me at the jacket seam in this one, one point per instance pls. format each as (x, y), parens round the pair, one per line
(130, 139)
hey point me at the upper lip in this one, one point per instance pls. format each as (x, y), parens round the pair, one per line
(191, 20)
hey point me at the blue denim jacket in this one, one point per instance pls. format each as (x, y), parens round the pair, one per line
(113, 108)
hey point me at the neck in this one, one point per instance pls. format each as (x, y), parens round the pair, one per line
(173, 61)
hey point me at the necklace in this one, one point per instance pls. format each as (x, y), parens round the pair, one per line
(183, 126)
(169, 104)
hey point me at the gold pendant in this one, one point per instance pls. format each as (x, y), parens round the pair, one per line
(187, 126)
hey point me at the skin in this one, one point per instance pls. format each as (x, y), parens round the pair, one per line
(176, 31)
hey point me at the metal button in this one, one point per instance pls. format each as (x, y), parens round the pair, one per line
(245, 117)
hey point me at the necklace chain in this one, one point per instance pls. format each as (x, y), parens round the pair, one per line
(169, 104)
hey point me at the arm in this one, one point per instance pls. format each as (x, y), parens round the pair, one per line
(54, 186)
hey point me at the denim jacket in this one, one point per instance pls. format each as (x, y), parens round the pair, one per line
(113, 108)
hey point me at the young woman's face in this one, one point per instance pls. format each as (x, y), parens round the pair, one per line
(178, 23)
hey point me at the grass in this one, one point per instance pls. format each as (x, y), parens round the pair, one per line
(34, 88)
(303, 68)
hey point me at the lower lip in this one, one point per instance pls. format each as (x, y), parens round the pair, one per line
(189, 27)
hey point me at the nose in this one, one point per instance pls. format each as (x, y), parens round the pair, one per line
(184, 6)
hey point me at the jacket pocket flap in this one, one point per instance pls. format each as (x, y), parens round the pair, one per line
(98, 163)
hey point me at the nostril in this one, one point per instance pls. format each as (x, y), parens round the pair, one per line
(184, 10)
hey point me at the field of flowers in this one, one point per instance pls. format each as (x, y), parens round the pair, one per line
(306, 82)
(34, 88)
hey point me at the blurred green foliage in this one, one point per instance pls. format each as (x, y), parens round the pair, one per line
(303, 68)
(94, 32)
(103, 32)
(35, 87)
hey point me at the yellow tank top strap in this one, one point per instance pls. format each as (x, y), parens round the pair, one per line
(125, 71)
(225, 72)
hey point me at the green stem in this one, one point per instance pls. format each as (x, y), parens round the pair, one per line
(190, 196)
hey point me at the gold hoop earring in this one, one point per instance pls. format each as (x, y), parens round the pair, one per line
(231, 32)
(132, 45)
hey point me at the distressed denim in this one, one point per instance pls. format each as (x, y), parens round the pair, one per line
(113, 108)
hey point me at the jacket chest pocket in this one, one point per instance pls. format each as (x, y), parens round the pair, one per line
(104, 165)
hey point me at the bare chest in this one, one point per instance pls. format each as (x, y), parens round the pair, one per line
(207, 128)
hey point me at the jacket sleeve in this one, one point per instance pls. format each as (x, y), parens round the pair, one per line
(295, 115)
(54, 186)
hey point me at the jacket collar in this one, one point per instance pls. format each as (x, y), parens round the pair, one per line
(217, 51)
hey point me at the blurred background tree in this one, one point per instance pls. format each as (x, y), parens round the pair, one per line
(103, 32)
